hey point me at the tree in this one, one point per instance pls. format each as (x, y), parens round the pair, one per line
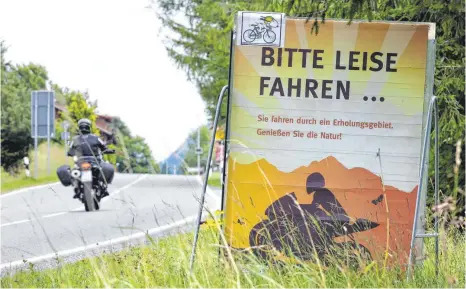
(133, 154)
(78, 107)
(17, 82)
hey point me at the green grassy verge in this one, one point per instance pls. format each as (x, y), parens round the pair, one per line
(58, 158)
(165, 264)
(27, 182)
(214, 180)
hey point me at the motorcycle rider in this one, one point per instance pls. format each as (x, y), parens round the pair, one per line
(87, 144)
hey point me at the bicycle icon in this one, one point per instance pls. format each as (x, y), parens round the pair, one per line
(262, 30)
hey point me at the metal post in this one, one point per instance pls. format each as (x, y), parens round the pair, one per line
(48, 134)
(437, 180)
(198, 154)
(206, 178)
(66, 140)
(65, 127)
(36, 158)
(422, 172)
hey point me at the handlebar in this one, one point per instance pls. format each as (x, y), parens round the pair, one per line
(108, 152)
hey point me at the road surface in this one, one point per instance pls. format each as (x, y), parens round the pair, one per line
(39, 222)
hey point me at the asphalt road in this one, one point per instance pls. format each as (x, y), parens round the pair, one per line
(39, 222)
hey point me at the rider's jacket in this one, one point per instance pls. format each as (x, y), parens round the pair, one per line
(86, 145)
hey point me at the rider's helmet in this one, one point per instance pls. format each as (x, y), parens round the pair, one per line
(314, 181)
(84, 126)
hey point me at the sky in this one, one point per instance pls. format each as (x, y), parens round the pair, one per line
(114, 50)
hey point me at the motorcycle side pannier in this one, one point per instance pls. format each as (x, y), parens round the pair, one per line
(108, 171)
(64, 175)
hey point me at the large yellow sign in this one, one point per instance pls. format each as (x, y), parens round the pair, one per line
(308, 115)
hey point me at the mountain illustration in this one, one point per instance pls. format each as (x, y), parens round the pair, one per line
(253, 187)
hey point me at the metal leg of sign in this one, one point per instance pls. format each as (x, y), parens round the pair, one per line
(48, 134)
(206, 177)
(36, 139)
(432, 109)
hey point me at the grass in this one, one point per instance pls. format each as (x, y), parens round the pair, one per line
(214, 180)
(165, 264)
(58, 158)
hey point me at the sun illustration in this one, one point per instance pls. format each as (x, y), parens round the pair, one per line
(268, 19)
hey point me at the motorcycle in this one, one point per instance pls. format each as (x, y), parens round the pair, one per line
(90, 177)
(293, 235)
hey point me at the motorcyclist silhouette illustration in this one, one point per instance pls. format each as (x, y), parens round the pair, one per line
(302, 230)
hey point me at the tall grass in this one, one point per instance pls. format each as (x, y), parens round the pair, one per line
(165, 263)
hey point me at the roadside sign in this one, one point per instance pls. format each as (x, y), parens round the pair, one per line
(42, 103)
(327, 126)
(42, 121)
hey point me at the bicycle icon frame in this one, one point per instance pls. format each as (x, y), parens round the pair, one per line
(260, 33)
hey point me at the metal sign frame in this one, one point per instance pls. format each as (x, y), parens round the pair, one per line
(430, 107)
(35, 113)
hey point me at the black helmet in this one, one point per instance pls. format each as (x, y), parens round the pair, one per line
(84, 126)
(314, 181)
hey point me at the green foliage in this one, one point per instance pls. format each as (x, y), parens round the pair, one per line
(17, 82)
(141, 159)
(111, 158)
(201, 48)
(190, 159)
(78, 107)
(133, 155)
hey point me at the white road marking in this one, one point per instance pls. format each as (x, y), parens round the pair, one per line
(64, 253)
(140, 178)
(12, 193)
(208, 190)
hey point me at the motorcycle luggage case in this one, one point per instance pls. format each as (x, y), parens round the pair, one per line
(64, 175)
(108, 171)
